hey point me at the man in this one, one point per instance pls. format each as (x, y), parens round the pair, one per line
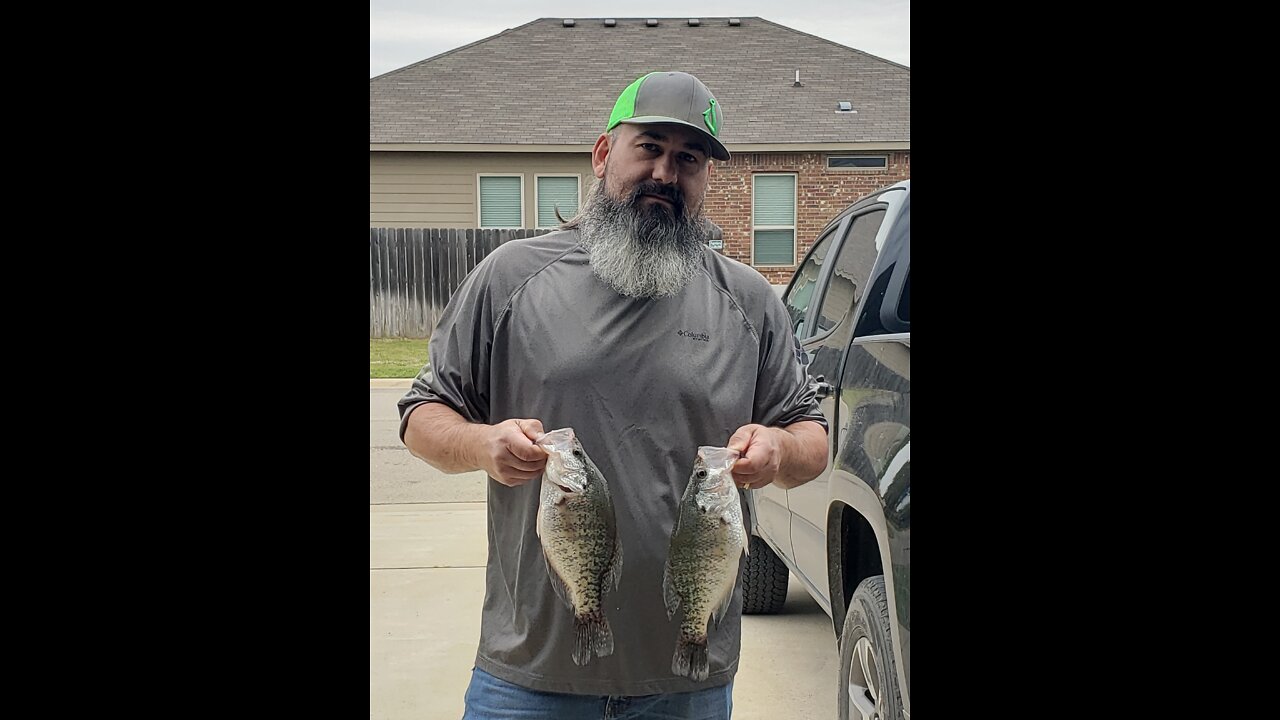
(627, 328)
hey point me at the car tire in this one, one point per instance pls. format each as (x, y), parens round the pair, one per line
(868, 678)
(764, 579)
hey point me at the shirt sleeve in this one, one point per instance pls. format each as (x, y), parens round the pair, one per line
(457, 369)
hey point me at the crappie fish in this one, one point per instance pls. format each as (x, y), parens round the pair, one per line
(579, 536)
(702, 563)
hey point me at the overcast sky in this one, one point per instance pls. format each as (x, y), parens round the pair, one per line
(402, 32)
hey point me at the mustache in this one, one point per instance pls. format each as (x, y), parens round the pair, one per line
(666, 192)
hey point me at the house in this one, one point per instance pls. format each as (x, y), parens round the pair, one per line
(499, 133)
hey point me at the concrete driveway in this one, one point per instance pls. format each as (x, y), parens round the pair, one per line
(426, 585)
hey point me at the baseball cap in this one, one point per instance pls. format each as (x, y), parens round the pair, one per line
(671, 97)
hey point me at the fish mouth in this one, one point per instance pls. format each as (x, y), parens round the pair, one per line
(556, 440)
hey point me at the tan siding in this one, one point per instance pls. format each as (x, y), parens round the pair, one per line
(445, 198)
(417, 207)
(438, 189)
(414, 178)
(419, 187)
(419, 220)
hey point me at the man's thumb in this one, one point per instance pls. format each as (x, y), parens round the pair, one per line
(532, 428)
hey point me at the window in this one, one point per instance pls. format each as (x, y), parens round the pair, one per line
(556, 192)
(857, 258)
(858, 162)
(774, 220)
(501, 203)
(806, 279)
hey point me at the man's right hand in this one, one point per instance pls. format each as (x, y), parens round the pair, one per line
(508, 452)
(437, 434)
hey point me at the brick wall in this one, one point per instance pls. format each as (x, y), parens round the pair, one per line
(820, 194)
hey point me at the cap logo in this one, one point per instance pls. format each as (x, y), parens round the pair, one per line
(709, 116)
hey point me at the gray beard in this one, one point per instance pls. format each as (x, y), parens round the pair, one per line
(641, 252)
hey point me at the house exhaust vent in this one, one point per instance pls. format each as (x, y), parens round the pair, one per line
(651, 22)
(846, 107)
(568, 23)
(610, 22)
(694, 22)
(734, 22)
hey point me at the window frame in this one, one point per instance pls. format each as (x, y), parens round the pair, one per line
(539, 176)
(479, 200)
(795, 218)
(885, 168)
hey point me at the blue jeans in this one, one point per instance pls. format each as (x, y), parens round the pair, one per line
(490, 698)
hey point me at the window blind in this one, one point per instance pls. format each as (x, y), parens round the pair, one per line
(500, 202)
(556, 192)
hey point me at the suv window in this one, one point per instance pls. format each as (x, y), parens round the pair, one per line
(857, 257)
(806, 281)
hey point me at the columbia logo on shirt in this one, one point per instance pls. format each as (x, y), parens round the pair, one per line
(695, 335)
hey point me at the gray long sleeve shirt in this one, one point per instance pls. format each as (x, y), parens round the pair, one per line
(532, 333)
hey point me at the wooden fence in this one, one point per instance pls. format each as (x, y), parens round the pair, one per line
(414, 271)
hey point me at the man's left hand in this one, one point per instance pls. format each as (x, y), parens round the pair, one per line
(791, 455)
(761, 455)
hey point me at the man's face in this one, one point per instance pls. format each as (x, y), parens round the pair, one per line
(642, 223)
(667, 162)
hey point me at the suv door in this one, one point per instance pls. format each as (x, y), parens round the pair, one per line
(773, 518)
(839, 298)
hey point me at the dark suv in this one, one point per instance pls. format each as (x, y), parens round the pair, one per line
(847, 534)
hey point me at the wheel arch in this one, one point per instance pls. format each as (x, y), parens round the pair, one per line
(856, 545)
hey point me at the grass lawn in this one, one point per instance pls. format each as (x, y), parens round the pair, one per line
(396, 357)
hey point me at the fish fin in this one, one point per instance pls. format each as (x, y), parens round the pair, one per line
(591, 634)
(723, 609)
(690, 658)
(614, 576)
(556, 583)
(669, 593)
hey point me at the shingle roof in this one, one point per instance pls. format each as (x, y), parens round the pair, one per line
(544, 83)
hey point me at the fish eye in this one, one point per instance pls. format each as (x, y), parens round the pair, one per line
(577, 453)
(700, 474)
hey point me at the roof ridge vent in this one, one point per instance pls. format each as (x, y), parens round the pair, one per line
(568, 22)
(694, 22)
(651, 22)
(734, 22)
(610, 22)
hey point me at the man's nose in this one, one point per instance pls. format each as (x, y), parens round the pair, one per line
(664, 170)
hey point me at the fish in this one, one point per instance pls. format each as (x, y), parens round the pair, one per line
(579, 535)
(702, 565)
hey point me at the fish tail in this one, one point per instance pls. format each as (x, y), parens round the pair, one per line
(690, 658)
(591, 634)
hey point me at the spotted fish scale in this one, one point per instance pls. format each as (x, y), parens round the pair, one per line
(579, 536)
(703, 560)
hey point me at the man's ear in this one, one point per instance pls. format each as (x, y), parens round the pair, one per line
(598, 155)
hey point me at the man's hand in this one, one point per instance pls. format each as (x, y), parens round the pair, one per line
(791, 455)
(437, 434)
(508, 453)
